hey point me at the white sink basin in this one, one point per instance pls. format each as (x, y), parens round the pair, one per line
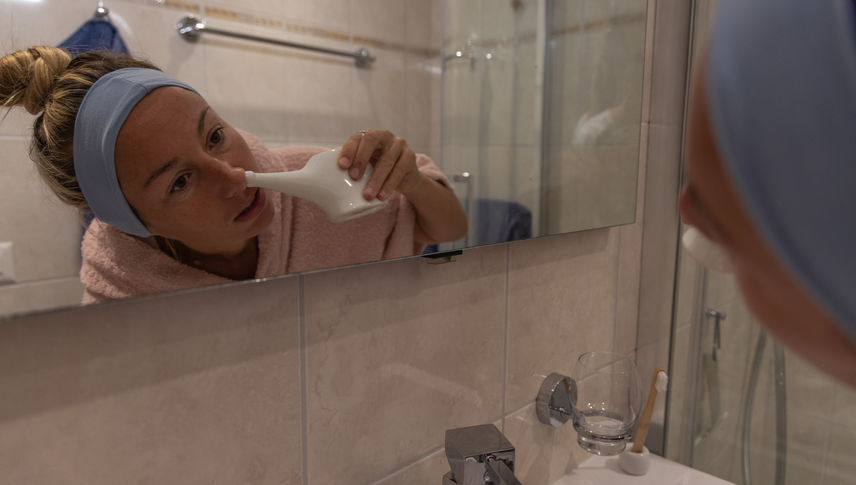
(604, 470)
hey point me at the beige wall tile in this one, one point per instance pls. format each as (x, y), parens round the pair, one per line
(671, 45)
(194, 387)
(844, 408)
(422, 81)
(45, 232)
(37, 295)
(688, 288)
(561, 303)
(461, 104)
(379, 95)
(678, 428)
(421, 25)
(319, 101)
(41, 23)
(246, 83)
(270, 9)
(630, 260)
(811, 393)
(543, 454)
(379, 19)
(659, 245)
(462, 22)
(427, 471)
(526, 172)
(149, 33)
(333, 14)
(840, 467)
(396, 354)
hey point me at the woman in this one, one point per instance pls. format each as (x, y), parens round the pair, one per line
(164, 176)
(772, 179)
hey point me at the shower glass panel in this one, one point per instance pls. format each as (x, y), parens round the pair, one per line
(491, 107)
(542, 113)
(736, 410)
(594, 68)
(740, 406)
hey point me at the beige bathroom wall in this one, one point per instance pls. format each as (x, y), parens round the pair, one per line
(342, 376)
(189, 388)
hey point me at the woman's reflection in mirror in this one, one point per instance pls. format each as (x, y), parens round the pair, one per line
(163, 174)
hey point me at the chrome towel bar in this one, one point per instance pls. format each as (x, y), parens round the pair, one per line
(191, 27)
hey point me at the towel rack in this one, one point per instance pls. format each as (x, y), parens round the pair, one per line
(191, 27)
(101, 11)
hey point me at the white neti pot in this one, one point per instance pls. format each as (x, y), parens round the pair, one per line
(322, 182)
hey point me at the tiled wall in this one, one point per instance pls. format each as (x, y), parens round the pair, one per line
(345, 376)
(342, 376)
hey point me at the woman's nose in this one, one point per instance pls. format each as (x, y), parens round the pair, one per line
(230, 179)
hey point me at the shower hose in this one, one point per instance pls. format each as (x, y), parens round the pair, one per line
(781, 409)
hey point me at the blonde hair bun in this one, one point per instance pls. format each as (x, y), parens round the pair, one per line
(27, 76)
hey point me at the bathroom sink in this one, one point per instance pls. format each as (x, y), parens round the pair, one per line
(604, 470)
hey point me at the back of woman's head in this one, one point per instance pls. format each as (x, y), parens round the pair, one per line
(49, 83)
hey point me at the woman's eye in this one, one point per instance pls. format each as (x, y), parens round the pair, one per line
(179, 184)
(216, 136)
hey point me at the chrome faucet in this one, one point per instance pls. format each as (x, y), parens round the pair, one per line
(479, 455)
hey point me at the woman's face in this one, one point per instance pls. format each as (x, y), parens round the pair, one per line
(711, 204)
(181, 167)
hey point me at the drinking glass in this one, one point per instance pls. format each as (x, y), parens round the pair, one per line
(608, 401)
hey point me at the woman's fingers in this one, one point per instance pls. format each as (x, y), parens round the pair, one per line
(349, 150)
(405, 166)
(370, 144)
(393, 160)
(385, 167)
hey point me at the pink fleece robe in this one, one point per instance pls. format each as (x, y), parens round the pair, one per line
(300, 238)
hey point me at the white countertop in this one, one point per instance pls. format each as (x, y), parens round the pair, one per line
(604, 470)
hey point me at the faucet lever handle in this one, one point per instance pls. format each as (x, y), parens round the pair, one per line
(498, 473)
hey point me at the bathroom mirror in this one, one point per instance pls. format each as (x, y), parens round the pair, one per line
(532, 108)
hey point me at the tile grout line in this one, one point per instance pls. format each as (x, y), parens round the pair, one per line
(304, 400)
(616, 314)
(506, 336)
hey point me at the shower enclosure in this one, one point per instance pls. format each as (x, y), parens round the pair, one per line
(740, 406)
(541, 109)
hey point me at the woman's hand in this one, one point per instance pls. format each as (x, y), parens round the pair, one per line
(394, 163)
(439, 215)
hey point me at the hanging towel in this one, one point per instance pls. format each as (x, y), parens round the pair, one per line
(497, 221)
(501, 221)
(96, 34)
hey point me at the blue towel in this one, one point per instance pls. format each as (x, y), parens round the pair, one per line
(498, 221)
(94, 35)
(501, 221)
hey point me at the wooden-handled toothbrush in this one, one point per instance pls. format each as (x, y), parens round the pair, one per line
(658, 384)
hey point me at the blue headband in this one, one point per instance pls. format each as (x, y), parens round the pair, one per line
(103, 111)
(782, 95)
